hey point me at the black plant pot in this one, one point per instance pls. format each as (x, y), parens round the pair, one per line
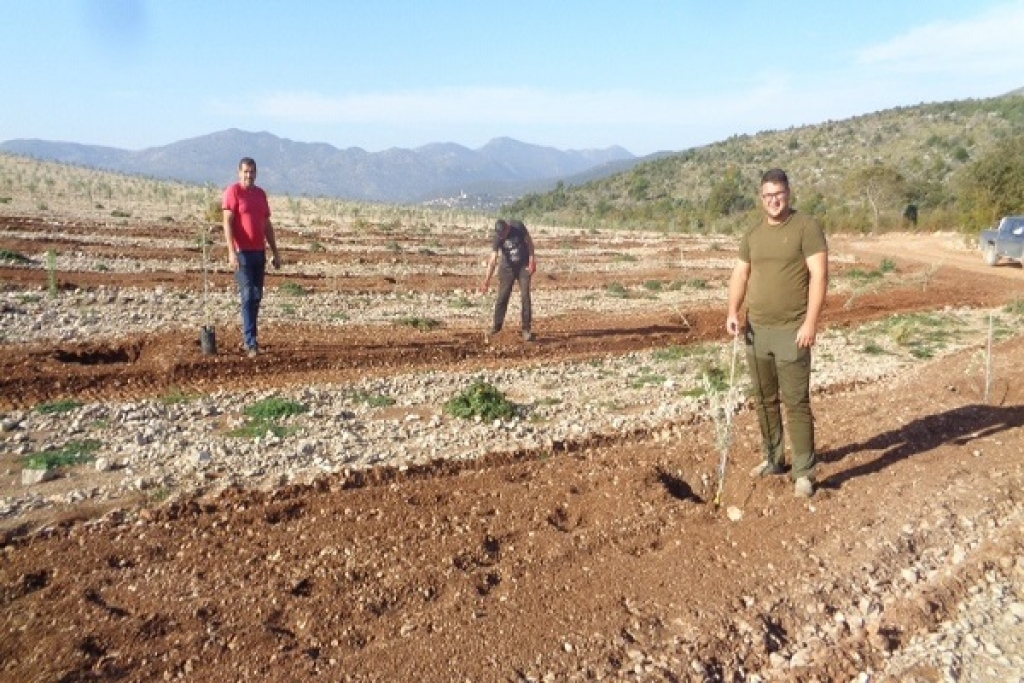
(208, 340)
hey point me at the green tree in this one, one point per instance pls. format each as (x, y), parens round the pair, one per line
(993, 185)
(881, 187)
(729, 195)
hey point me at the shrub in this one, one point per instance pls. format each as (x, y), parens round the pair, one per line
(422, 324)
(72, 453)
(480, 400)
(274, 408)
(13, 256)
(55, 407)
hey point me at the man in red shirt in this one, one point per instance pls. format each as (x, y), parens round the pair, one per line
(247, 231)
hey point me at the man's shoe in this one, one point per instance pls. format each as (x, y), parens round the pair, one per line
(528, 336)
(766, 469)
(252, 351)
(804, 488)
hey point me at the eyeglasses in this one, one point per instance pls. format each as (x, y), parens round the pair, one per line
(768, 196)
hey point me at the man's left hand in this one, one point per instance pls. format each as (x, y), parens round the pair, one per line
(806, 336)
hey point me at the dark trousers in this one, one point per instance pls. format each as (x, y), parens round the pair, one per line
(781, 375)
(507, 276)
(252, 269)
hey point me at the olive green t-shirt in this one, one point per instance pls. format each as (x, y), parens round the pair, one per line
(779, 279)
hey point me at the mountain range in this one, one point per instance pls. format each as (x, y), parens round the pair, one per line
(503, 168)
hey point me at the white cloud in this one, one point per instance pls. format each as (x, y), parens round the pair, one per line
(987, 45)
(516, 106)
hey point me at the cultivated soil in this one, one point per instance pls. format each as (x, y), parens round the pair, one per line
(598, 559)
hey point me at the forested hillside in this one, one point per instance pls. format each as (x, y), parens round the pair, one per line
(919, 166)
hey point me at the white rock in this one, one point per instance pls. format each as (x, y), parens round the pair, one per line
(33, 476)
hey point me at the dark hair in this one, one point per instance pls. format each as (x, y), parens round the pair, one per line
(246, 161)
(500, 225)
(775, 175)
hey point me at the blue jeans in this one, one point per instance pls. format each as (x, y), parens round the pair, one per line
(252, 268)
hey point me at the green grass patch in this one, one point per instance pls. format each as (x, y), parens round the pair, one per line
(265, 416)
(255, 429)
(616, 289)
(1014, 308)
(873, 349)
(647, 379)
(865, 276)
(861, 275)
(717, 378)
(922, 334)
(481, 400)
(672, 353)
(373, 400)
(421, 324)
(56, 407)
(653, 285)
(177, 396)
(624, 258)
(292, 289)
(274, 408)
(72, 453)
(462, 302)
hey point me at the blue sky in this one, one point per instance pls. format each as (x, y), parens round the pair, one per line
(584, 74)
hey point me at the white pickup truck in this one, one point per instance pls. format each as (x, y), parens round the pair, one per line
(1006, 241)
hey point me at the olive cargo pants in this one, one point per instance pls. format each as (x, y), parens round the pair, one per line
(781, 375)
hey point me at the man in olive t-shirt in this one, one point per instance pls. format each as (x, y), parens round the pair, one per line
(782, 275)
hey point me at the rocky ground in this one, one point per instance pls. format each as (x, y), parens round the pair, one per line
(376, 537)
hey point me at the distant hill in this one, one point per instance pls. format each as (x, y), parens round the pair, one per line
(318, 169)
(925, 145)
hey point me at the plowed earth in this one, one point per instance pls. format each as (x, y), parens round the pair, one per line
(596, 561)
